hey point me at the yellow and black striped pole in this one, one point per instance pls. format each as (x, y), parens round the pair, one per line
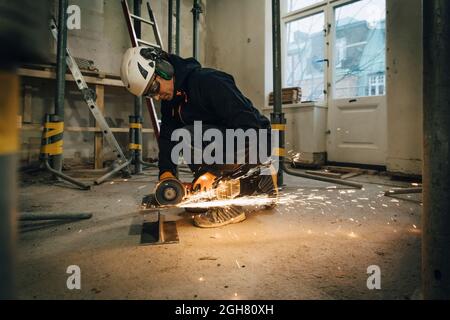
(279, 129)
(135, 142)
(52, 147)
(52, 137)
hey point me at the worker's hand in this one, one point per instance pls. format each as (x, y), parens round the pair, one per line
(204, 183)
(167, 175)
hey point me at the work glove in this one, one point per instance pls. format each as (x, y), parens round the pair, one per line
(167, 175)
(204, 183)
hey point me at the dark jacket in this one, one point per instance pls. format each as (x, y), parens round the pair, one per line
(207, 95)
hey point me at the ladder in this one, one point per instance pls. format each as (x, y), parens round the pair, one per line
(135, 41)
(90, 97)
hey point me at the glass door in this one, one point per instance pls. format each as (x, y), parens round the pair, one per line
(357, 103)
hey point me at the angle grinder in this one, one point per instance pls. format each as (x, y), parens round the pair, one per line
(170, 192)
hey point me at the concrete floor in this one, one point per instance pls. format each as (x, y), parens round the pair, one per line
(318, 247)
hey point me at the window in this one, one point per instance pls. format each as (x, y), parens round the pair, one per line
(361, 27)
(305, 56)
(354, 63)
(376, 85)
(294, 5)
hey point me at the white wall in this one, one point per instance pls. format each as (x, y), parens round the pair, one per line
(404, 86)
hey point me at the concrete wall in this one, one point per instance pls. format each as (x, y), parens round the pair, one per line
(404, 86)
(103, 38)
(235, 43)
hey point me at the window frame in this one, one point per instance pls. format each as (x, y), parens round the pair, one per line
(313, 10)
(328, 7)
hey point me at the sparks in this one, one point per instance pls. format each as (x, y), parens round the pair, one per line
(198, 201)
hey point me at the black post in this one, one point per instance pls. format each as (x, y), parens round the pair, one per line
(24, 36)
(436, 170)
(178, 27)
(196, 11)
(170, 29)
(9, 106)
(137, 154)
(61, 68)
(277, 116)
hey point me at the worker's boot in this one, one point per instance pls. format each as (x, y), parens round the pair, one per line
(258, 184)
(219, 217)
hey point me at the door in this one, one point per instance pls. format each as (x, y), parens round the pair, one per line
(357, 116)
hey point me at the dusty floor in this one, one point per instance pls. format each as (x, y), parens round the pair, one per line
(318, 247)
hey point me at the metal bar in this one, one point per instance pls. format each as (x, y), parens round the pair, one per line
(178, 27)
(403, 191)
(319, 178)
(170, 28)
(436, 171)
(131, 30)
(40, 216)
(112, 172)
(141, 19)
(61, 175)
(277, 115)
(61, 72)
(150, 44)
(137, 154)
(196, 11)
(155, 26)
(137, 16)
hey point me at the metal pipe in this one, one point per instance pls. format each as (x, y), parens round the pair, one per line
(436, 171)
(45, 157)
(137, 11)
(277, 117)
(294, 173)
(170, 29)
(65, 177)
(178, 27)
(61, 68)
(402, 191)
(112, 172)
(137, 154)
(196, 11)
(40, 216)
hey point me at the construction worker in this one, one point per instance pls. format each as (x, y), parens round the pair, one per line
(189, 93)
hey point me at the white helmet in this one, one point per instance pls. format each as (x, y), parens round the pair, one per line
(137, 71)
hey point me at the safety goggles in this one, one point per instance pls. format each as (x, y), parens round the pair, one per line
(153, 88)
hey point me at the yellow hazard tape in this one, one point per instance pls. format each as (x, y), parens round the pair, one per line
(53, 149)
(133, 146)
(55, 129)
(279, 152)
(135, 125)
(279, 127)
(9, 105)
